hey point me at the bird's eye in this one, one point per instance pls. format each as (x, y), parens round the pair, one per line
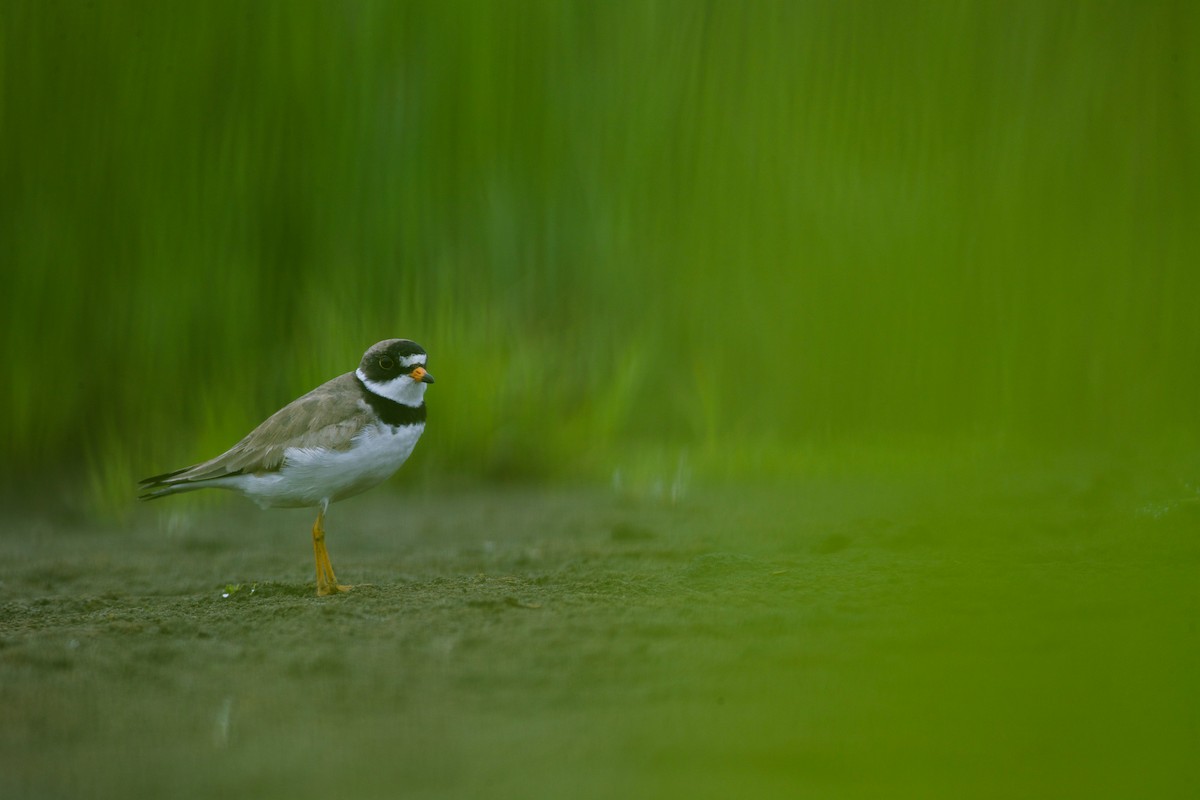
(386, 363)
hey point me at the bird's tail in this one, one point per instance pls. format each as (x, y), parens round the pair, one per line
(166, 484)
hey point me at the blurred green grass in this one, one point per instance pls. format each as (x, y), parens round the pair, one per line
(669, 244)
(738, 231)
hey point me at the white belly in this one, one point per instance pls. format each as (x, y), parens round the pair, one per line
(311, 476)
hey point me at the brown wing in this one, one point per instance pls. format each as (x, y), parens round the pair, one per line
(327, 417)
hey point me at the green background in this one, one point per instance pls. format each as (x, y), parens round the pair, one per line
(816, 402)
(739, 231)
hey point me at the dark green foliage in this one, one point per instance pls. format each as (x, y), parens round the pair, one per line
(702, 225)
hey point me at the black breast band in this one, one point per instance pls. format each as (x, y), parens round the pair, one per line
(391, 412)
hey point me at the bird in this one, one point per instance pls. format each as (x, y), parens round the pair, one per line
(345, 436)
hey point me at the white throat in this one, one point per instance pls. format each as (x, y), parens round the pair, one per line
(403, 389)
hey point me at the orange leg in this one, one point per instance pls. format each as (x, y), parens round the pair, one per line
(326, 581)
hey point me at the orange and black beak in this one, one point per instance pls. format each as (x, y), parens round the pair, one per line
(420, 375)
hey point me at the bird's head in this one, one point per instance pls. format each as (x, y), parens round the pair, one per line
(396, 369)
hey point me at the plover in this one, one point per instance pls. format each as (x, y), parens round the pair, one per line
(342, 438)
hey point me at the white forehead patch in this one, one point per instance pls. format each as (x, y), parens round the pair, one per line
(412, 361)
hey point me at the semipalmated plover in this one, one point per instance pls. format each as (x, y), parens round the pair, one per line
(342, 438)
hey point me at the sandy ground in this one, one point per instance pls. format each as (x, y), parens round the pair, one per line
(1010, 634)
